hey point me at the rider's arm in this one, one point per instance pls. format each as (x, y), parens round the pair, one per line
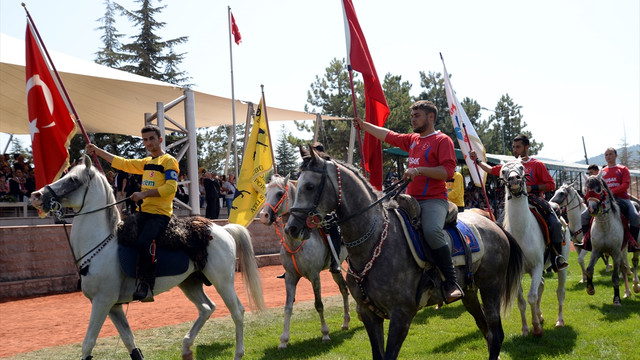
(378, 132)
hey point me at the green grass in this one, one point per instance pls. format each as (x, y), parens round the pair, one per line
(595, 329)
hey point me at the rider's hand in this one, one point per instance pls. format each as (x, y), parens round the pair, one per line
(358, 123)
(472, 155)
(410, 174)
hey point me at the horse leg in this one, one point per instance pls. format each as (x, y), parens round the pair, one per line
(471, 303)
(581, 254)
(315, 284)
(399, 323)
(615, 278)
(634, 261)
(595, 254)
(374, 326)
(533, 298)
(99, 310)
(224, 284)
(605, 259)
(625, 270)
(522, 306)
(342, 285)
(193, 290)
(539, 300)
(560, 294)
(291, 282)
(119, 320)
(491, 298)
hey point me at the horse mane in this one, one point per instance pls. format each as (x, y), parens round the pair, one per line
(83, 173)
(306, 159)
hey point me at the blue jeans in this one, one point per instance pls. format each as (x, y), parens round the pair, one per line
(229, 202)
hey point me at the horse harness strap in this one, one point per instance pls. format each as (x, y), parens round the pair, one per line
(84, 267)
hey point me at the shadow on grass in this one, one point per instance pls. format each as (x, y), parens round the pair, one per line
(630, 307)
(204, 352)
(452, 311)
(555, 342)
(310, 347)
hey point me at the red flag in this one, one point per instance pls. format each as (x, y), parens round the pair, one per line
(376, 106)
(50, 121)
(234, 30)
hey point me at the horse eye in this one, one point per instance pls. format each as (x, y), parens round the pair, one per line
(309, 187)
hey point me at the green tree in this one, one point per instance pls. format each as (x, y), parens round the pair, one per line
(286, 156)
(505, 124)
(148, 54)
(110, 54)
(434, 91)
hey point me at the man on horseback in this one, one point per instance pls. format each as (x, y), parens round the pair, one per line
(539, 181)
(432, 161)
(618, 179)
(159, 185)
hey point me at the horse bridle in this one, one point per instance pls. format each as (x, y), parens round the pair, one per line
(600, 198)
(313, 218)
(284, 199)
(565, 195)
(55, 204)
(521, 180)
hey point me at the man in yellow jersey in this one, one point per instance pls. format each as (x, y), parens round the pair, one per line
(455, 189)
(159, 183)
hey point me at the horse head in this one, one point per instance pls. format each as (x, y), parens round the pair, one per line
(513, 176)
(279, 196)
(565, 195)
(314, 199)
(599, 198)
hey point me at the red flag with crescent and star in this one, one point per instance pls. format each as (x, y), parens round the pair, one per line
(50, 122)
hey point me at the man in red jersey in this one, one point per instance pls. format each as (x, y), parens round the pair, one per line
(618, 179)
(539, 182)
(432, 160)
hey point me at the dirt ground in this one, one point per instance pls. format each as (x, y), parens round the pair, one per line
(31, 324)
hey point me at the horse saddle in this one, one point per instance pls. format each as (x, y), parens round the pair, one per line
(184, 240)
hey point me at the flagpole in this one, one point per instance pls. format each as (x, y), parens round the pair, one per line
(355, 113)
(484, 191)
(266, 121)
(233, 99)
(61, 84)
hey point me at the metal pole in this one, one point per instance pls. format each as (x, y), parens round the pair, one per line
(192, 155)
(233, 99)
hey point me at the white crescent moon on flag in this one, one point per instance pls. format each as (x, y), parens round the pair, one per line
(31, 83)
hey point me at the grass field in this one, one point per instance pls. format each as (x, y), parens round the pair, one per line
(595, 329)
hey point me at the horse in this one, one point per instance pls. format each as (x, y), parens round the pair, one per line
(607, 236)
(522, 224)
(105, 284)
(300, 259)
(383, 276)
(567, 197)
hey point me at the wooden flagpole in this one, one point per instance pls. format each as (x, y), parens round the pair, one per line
(484, 191)
(355, 113)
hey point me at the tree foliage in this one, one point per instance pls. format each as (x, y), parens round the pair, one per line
(286, 156)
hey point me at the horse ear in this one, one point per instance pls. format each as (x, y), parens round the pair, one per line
(303, 151)
(86, 159)
(286, 178)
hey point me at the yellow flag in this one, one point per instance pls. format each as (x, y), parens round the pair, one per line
(256, 163)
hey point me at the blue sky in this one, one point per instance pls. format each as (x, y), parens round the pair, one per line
(573, 65)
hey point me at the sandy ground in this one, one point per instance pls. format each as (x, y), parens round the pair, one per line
(31, 324)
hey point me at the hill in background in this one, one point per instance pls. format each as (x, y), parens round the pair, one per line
(600, 161)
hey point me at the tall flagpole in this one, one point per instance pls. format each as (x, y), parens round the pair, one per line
(233, 100)
(266, 121)
(484, 191)
(355, 113)
(61, 84)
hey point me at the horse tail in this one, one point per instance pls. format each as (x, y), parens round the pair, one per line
(248, 265)
(515, 271)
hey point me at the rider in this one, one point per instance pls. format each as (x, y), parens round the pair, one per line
(159, 184)
(538, 183)
(618, 179)
(432, 160)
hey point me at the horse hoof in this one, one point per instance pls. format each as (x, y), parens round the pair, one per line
(617, 302)
(636, 288)
(627, 294)
(188, 356)
(538, 333)
(560, 323)
(591, 290)
(325, 338)
(582, 281)
(282, 346)
(345, 327)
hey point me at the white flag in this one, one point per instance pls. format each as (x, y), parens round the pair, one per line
(465, 133)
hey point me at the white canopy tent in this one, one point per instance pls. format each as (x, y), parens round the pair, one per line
(113, 101)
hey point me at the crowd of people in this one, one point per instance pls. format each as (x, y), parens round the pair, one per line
(17, 178)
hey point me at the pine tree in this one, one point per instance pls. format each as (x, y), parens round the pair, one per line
(286, 156)
(110, 55)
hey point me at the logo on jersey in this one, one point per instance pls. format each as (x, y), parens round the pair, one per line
(171, 175)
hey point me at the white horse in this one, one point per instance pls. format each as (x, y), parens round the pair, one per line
(522, 224)
(607, 237)
(300, 258)
(94, 244)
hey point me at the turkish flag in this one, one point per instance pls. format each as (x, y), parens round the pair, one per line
(234, 30)
(50, 122)
(376, 107)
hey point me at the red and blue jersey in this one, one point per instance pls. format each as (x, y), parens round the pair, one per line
(426, 151)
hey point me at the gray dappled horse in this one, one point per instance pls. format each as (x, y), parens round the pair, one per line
(522, 224)
(607, 236)
(94, 244)
(304, 258)
(383, 277)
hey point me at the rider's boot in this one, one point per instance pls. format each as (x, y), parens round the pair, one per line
(146, 282)
(634, 234)
(451, 291)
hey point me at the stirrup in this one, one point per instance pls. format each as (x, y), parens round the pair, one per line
(445, 297)
(560, 266)
(143, 293)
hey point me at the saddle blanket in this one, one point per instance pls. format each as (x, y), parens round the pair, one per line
(170, 263)
(471, 237)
